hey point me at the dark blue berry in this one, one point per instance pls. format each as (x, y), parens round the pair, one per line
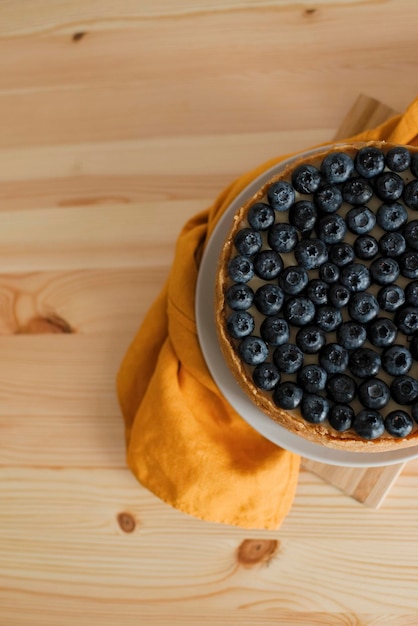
(299, 311)
(314, 408)
(404, 390)
(287, 395)
(341, 417)
(369, 424)
(413, 347)
(365, 247)
(275, 330)
(302, 215)
(363, 307)
(281, 195)
(382, 332)
(411, 293)
(398, 423)
(360, 220)
(351, 335)
(338, 296)
(355, 277)
(369, 161)
(388, 186)
(282, 237)
(392, 244)
(306, 179)
(408, 264)
(364, 362)
(398, 159)
(269, 299)
(310, 339)
(333, 358)
(384, 270)
(390, 297)
(239, 297)
(337, 167)
(331, 228)
(341, 253)
(288, 358)
(293, 279)
(341, 388)
(240, 269)
(406, 320)
(410, 194)
(248, 241)
(266, 376)
(414, 164)
(328, 199)
(317, 291)
(329, 272)
(414, 411)
(260, 216)
(357, 191)
(240, 324)
(410, 232)
(253, 350)
(373, 393)
(311, 253)
(328, 318)
(396, 360)
(268, 264)
(312, 378)
(391, 216)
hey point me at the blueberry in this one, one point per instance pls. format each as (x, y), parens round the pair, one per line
(414, 164)
(404, 390)
(281, 195)
(351, 335)
(311, 253)
(253, 350)
(328, 199)
(398, 159)
(413, 347)
(288, 358)
(328, 318)
(341, 417)
(369, 161)
(373, 393)
(274, 330)
(363, 307)
(312, 378)
(384, 270)
(341, 388)
(360, 220)
(240, 324)
(388, 186)
(260, 216)
(293, 280)
(306, 179)
(355, 277)
(310, 339)
(329, 272)
(248, 241)
(269, 299)
(414, 411)
(390, 297)
(333, 358)
(391, 216)
(410, 232)
(410, 194)
(396, 360)
(299, 311)
(239, 297)
(398, 423)
(339, 296)
(282, 237)
(302, 215)
(364, 362)
(317, 291)
(369, 424)
(314, 408)
(365, 247)
(357, 191)
(240, 269)
(331, 228)
(408, 264)
(382, 332)
(341, 254)
(266, 376)
(337, 167)
(287, 395)
(411, 293)
(406, 320)
(392, 244)
(268, 264)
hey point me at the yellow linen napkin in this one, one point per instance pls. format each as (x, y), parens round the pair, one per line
(185, 443)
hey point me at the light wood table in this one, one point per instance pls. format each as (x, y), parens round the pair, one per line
(118, 121)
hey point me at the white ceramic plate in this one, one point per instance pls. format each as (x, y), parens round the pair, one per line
(224, 379)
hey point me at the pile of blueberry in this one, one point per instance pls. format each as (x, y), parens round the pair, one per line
(338, 334)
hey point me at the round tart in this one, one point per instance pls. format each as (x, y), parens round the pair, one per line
(317, 297)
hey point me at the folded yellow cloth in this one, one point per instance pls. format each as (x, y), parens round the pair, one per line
(185, 443)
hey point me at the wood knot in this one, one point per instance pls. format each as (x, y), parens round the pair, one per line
(254, 551)
(52, 324)
(78, 35)
(127, 522)
(310, 11)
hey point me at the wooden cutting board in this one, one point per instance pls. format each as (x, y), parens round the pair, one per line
(369, 486)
